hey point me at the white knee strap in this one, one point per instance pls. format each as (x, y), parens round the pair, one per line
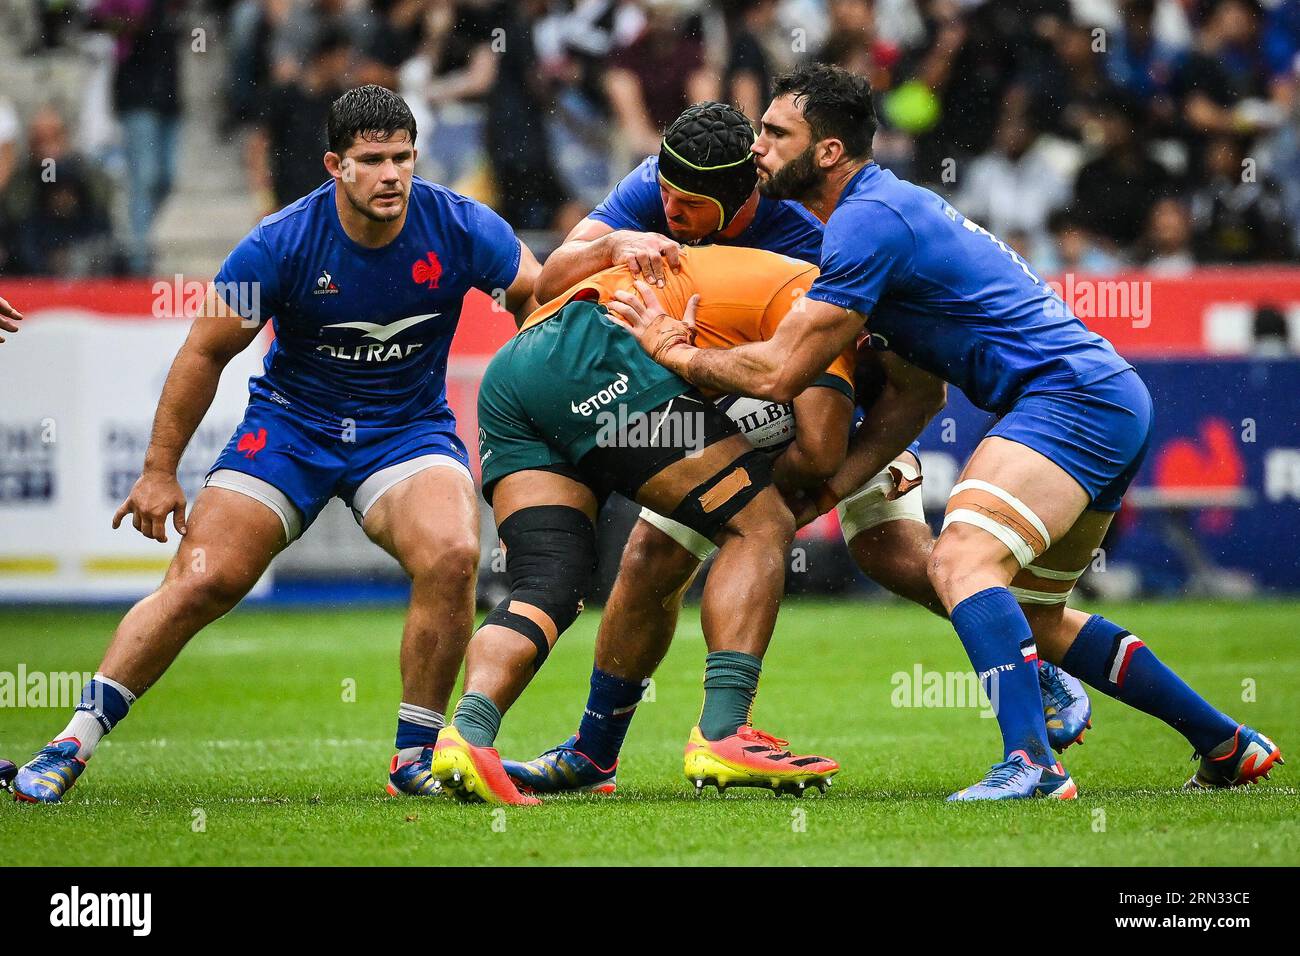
(1019, 539)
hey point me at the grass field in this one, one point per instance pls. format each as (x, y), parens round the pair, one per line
(248, 753)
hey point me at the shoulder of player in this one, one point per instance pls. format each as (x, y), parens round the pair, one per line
(293, 213)
(862, 218)
(426, 191)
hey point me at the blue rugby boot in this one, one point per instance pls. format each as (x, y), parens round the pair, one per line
(1018, 778)
(413, 778)
(1066, 707)
(562, 769)
(50, 773)
(1248, 756)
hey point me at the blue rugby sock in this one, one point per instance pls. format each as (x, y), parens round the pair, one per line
(104, 702)
(417, 728)
(1001, 647)
(610, 705)
(1112, 660)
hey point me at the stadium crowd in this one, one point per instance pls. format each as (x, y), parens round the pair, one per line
(1092, 135)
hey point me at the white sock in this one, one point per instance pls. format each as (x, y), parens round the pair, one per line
(87, 730)
(85, 726)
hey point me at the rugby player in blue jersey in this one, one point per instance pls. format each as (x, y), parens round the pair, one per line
(702, 188)
(1039, 492)
(362, 281)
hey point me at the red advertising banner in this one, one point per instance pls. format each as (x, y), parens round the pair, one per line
(1206, 312)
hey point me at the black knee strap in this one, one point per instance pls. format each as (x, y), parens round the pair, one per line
(711, 504)
(502, 616)
(550, 558)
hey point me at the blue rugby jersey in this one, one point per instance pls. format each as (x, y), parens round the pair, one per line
(951, 298)
(364, 333)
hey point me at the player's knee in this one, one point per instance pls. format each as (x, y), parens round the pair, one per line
(550, 558)
(955, 559)
(210, 592)
(447, 562)
(653, 562)
(767, 517)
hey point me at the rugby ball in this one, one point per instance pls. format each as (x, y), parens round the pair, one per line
(767, 425)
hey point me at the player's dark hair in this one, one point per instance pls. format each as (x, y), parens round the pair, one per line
(835, 102)
(369, 111)
(706, 152)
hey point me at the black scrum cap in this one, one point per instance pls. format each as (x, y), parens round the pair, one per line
(706, 153)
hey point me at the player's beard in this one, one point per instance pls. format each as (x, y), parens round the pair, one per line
(373, 215)
(797, 179)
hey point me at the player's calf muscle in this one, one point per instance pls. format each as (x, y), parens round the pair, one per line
(641, 613)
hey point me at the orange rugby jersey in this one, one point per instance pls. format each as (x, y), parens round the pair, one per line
(744, 294)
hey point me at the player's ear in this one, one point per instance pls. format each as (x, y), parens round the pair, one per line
(829, 152)
(333, 164)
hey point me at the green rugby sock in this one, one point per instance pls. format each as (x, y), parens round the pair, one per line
(730, 682)
(477, 719)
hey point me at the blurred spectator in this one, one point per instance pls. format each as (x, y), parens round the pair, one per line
(1238, 211)
(748, 80)
(146, 97)
(289, 144)
(1168, 239)
(1223, 83)
(1014, 186)
(8, 141)
(529, 192)
(396, 36)
(1066, 89)
(855, 44)
(1072, 248)
(58, 202)
(1142, 64)
(8, 164)
(56, 20)
(298, 34)
(650, 81)
(446, 84)
(1114, 192)
(253, 24)
(1281, 44)
(1270, 335)
(571, 47)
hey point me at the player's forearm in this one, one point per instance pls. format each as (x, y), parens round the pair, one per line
(573, 262)
(893, 423)
(186, 397)
(803, 469)
(756, 369)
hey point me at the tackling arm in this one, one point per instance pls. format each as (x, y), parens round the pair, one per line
(593, 246)
(822, 417)
(909, 400)
(805, 343)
